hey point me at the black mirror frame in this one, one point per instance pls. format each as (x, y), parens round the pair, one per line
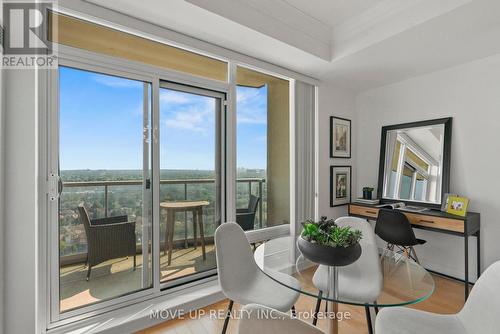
(445, 187)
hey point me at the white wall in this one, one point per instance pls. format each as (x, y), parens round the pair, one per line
(470, 93)
(332, 101)
(20, 216)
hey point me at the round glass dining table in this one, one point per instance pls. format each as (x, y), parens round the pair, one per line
(405, 282)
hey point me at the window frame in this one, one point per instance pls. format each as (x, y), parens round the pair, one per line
(48, 102)
(221, 118)
(405, 161)
(55, 314)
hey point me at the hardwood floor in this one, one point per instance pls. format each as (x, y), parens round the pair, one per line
(446, 299)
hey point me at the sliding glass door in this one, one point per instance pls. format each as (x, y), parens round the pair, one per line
(126, 149)
(105, 203)
(141, 171)
(190, 180)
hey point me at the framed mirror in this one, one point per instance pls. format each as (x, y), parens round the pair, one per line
(415, 162)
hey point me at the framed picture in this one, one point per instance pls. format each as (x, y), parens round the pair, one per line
(340, 185)
(340, 138)
(444, 201)
(458, 205)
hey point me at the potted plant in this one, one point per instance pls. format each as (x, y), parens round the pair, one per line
(326, 243)
(367, 192)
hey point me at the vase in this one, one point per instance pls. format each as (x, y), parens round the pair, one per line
(330, 256)
(367, 194)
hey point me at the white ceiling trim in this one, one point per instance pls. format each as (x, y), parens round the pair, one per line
(277, 19)
(385, 20)
(293, 17)
(370, 17)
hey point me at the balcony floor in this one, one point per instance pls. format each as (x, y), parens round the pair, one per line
(115, 277)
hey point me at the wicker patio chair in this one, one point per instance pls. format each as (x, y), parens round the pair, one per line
(246, 217)
(107, 238)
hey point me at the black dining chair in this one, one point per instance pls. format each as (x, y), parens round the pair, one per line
(394, 228)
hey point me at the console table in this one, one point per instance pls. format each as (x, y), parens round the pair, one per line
(436, 221)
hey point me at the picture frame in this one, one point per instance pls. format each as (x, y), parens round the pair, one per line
(340, 185)
(457, 206)
(340, 137)
(444, 201)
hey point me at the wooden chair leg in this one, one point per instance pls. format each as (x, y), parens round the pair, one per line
(165, 243)
(170, 225)
(406, 253)
(369, 320)
(228, 316)
(316, 310)
(195, 228)
(202, 233)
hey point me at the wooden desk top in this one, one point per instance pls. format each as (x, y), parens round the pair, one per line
(430, 212)
(183, 205)
(430, 219)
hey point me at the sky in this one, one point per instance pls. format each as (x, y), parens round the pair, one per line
(101, 122)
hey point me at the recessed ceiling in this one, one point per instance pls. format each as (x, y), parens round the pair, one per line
(357, 44)
(333, 12)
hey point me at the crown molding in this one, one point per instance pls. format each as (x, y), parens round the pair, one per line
(277, 19)
(384, 20)
(370, 17)
(292, 17)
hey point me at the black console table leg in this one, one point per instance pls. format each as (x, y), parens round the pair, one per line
(466, 278)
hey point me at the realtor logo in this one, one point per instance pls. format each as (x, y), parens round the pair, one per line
(25, 35)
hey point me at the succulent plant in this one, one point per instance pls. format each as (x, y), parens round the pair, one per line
(326, 232)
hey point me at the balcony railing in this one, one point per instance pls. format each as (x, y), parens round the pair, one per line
(184, 182)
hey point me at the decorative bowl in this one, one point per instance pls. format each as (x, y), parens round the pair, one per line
(327, 255)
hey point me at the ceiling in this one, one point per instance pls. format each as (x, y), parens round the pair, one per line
(333, 12)
(426, 139)
(357, 44)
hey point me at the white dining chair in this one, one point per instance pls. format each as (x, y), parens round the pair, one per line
(480, 314)
(264, 320)
(361, 281)
(240, 278)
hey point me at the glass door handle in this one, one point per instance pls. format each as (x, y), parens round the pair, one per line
(60, 185)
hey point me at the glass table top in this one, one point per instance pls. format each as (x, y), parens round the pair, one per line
(389, 278)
